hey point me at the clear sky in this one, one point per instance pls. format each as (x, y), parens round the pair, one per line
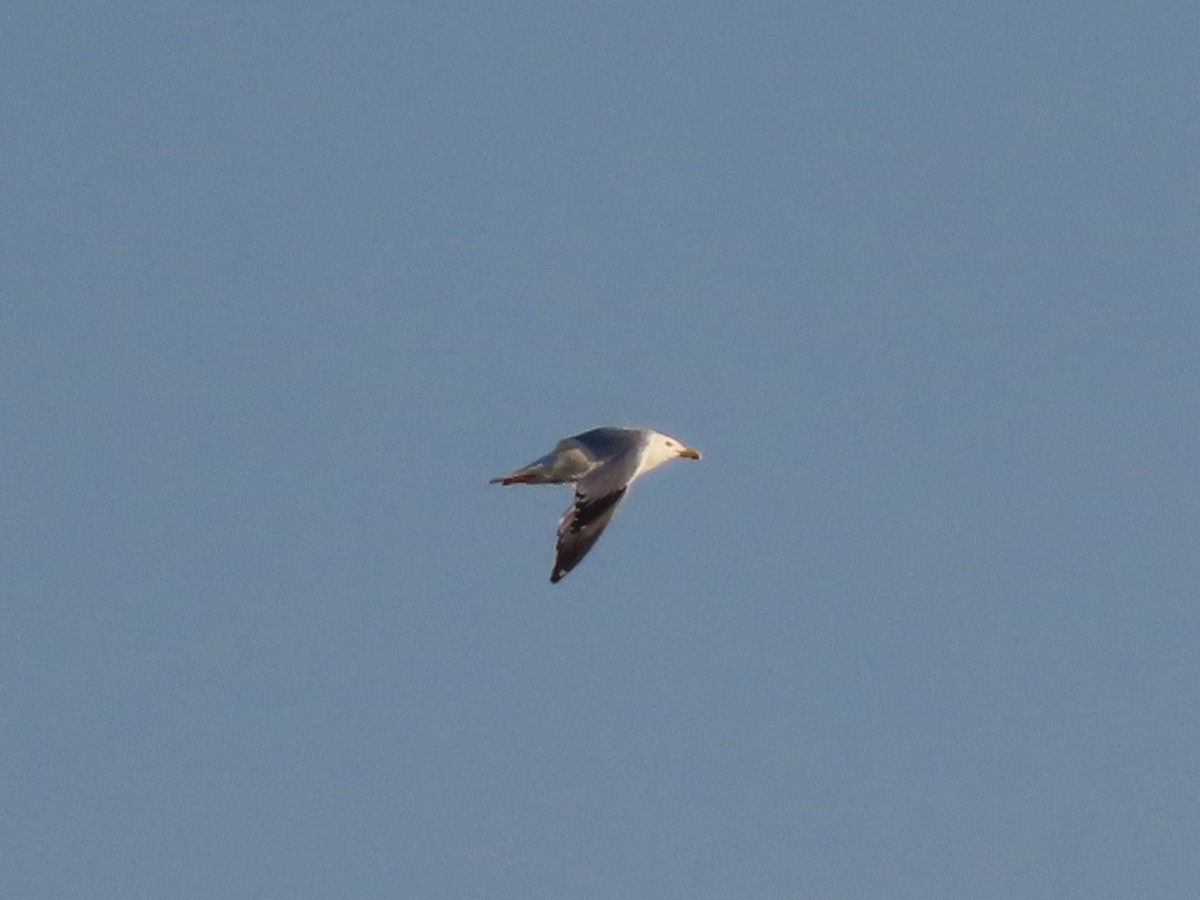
(283, 285)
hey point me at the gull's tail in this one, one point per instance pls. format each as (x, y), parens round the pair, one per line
(540, 471)
(515, 478)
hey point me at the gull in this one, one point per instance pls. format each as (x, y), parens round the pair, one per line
(601, 464)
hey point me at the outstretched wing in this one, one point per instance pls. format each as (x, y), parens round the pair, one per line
(581, 527)
(596, 499)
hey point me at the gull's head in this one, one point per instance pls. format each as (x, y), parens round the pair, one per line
(664, 448)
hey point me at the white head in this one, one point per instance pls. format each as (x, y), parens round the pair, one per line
(664, 448)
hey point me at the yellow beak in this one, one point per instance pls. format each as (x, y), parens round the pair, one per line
(689, 453)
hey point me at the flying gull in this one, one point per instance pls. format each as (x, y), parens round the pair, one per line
(601, 463)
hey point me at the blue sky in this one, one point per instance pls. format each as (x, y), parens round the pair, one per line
(284, 285)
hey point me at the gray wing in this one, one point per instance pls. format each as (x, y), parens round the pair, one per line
(596, 499)
(607, 443)
(574, 458)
